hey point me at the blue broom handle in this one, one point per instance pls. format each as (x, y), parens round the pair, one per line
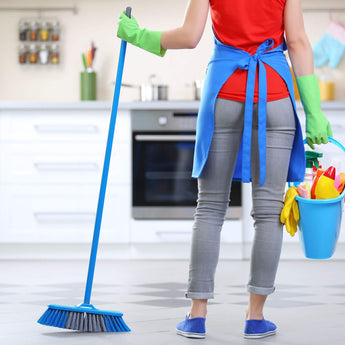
(105, 172)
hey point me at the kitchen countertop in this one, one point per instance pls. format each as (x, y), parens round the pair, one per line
(106, 105)
(99, 105)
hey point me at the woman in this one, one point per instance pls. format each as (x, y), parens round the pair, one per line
(247, 130)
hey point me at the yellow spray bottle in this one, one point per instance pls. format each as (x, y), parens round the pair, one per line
(325, 186)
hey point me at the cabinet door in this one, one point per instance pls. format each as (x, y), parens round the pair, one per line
(50, 173)
(60, 125)
(54, 125)
(153, 231)
(177, 231)
(64, 214)
(63, 162)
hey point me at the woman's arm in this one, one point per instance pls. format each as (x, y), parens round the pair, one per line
(189, 34)
(299, 48)
(318, 128)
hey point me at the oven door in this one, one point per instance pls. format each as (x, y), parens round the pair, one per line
(162, 184)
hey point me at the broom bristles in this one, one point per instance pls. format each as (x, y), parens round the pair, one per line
(83, 321)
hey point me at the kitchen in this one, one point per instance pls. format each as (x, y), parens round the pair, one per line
(53, 144)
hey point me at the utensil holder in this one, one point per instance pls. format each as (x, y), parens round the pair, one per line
(88, 86)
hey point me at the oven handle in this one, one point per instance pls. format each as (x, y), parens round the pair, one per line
(143, 137)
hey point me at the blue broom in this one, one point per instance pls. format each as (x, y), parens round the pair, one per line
(85, 317)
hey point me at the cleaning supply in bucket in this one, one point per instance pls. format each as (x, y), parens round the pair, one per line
(303, 191)
(325, 188)
(312, 164)
(311, 161)
(341, 182)
(319, 172)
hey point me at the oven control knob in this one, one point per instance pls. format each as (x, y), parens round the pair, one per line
(162, 120)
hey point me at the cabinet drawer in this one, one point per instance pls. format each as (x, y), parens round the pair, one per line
(56, 125)
(67, 215)
(152, 231)
(168, 231)
(63, 163)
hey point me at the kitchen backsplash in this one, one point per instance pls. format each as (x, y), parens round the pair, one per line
(96, 21)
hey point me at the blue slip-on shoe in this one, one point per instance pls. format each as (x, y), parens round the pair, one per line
(256, 329)
(192, 328)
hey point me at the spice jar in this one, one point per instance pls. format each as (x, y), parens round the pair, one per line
(43, 54)
(23, 29)
(33, 33)
(55, 33)
(54, 55)
(33, 54)
(23, 52)
(44, 31)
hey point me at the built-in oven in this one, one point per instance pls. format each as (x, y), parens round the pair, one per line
(162, 159)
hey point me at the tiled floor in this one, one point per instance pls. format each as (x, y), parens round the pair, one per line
(308, 305)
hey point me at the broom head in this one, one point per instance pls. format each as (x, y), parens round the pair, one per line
(83, 317)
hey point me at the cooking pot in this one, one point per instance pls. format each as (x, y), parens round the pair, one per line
(151, 91)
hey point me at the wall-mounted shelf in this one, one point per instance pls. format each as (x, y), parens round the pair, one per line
(323, 9)
(40, 9)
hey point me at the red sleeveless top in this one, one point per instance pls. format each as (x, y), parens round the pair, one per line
(245, 24)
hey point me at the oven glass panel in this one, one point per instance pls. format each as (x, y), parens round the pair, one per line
(162, 168)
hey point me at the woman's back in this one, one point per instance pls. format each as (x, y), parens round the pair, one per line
(245, 24)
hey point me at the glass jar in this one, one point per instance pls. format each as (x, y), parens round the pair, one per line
(54, 54)
(33, 54)
(33, 32)
(44, 31)
(43, 54)
(23, 30)
(22, 54)
(55, 32)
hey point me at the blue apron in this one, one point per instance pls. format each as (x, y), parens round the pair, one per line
(224, 62)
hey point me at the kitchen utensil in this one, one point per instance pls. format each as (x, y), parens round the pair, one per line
(151, 91)
(88, 86)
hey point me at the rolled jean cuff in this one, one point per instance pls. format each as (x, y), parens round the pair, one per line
(199, 295)
(260, 290)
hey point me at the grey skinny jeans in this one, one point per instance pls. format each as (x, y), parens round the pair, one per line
(214, 189)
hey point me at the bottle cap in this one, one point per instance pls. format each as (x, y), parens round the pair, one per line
(330, 172)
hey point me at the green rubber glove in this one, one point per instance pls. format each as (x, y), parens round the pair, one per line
(318, 128)
(129, 30)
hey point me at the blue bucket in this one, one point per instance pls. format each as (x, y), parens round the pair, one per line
(319, 225)
(320, 222)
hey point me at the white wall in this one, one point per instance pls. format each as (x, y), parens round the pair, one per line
(96, 20)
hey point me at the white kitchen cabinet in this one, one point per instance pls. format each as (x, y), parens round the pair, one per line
(51, 164)
(51, 158)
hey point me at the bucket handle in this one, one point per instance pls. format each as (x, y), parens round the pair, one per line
(333, 141)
